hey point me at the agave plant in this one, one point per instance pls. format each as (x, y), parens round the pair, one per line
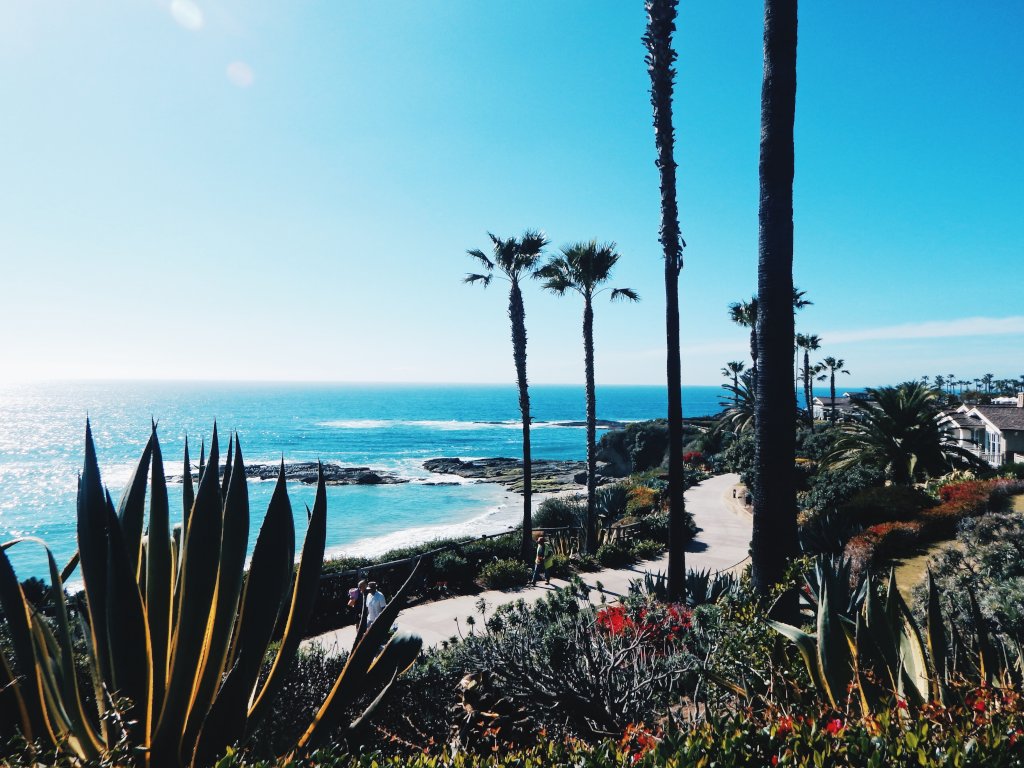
(702, 587)
(176, 628)
(873, 649)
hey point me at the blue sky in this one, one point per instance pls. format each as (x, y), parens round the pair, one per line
(227, 190)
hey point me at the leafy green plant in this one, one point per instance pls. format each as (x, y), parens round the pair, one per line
(646, 549)
(614, 554)
(176, 628)
(504, 574)
(560, 512)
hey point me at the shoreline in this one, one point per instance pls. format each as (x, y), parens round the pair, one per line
(499, 519)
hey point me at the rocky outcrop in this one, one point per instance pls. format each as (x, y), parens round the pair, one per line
(548, 476)
(306, 472)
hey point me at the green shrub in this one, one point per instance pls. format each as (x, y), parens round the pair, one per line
(562, 567)
(831, 489)
(504, 574)
(560, 512)
(453, 568)
(646, 549)
(614, 555)
(585, 563)
(893, 503)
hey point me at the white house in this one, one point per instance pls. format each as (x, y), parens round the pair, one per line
(822, 407)
(995, 433)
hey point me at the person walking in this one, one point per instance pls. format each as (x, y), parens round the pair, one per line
(375, 603)
(543, 561)
(357, 603)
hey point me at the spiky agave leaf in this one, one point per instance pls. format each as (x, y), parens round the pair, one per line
(23, 670)
(200, 553)
(266, 586)
(128, 633)
(159, 575)
(234, 541)
(350, 683)
(132, 507)
(302, 601)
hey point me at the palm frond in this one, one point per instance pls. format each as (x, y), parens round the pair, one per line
(625, 293)
(479, 255)
(473, 278)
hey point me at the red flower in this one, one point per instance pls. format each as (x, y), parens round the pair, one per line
(834, 727)
(785, 725)
(775, 759)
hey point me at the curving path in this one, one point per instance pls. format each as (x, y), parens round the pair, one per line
(722, 545)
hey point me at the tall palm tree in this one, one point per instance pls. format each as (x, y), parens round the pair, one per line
(513, 259)
(940, 383)
(774, 540)
(584, 267)
(987, 380)
(808, 343)
(896, 430)
(732, 370)
(661, 24)
(834, 365)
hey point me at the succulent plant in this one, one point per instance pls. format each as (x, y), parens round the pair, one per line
(176, 627)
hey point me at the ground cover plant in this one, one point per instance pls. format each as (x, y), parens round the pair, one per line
(986, 560)
(957, 501)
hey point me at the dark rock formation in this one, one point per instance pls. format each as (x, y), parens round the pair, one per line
(305, 472)
(547, 475)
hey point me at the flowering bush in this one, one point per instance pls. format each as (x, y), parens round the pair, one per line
(693, 457)
(957, 501)
(661, 622)
(642, 500)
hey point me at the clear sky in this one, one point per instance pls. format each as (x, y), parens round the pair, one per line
(218, 189)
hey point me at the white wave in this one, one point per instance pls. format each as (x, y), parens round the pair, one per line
(496, 519)
(447, 425)
(358, 424)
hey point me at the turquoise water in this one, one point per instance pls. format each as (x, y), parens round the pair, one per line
(389, 427)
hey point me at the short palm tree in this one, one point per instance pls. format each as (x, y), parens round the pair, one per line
(584, 267)
(744, 314)
(808, 343)
(513, 259)
(834, 365)
(732, 370)
(897, 430)
(739, 414)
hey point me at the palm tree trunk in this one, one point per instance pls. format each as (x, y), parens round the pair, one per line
(753, 359)
(588, 362)
(517, 314)
(735, 389)
(832, 392)
(774, 536)
(808, 391)
(661, 23)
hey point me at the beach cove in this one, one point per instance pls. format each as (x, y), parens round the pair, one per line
(388, 429)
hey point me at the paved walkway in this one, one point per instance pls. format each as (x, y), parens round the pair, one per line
(722, 545)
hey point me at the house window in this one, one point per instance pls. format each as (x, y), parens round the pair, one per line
(992, 442)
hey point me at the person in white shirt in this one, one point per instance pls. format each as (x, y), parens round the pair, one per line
(375, 603)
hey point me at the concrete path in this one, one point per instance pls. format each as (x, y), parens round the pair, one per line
(722, 545)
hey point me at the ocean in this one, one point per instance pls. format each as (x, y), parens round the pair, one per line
(388, 427)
